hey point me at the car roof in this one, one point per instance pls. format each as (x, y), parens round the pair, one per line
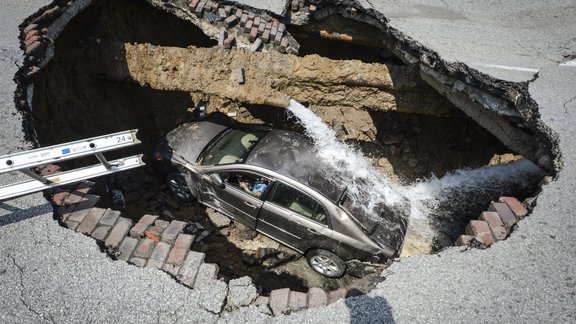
(293, 155)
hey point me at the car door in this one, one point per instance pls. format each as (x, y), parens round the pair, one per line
(235, 200)
(294, 218)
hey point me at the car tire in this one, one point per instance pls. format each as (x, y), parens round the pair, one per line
(326, 263)
(176, 182)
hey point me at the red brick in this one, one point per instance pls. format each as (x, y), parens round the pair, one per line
(253, 34)
(335, 295)
(200, 8)
(464, 240)
(63, 212)
(193, 4)
(313, 7)
(172, 231)
(481, 230)
(316, 297)
(161, 223)
(171, 268)
(222, 13)
(144, 248)
(110, 217)
(284, 42)
(59, 196)
(161, 251)
(260, 300)
(139, 262)
(180, 249)
(83, 207)
(155, 264)
(84, 187)
(495, 224)
(248, 26)
(279, 301)
(33, 48)
(281, 28)
(275, 23)
(297, 301)
(142, 225)
(505, 213)
(91, 220)
(238, 13)
(228, 9)
(189, 269)
(118, 232)
(29, 28)
(31, 40)
(126, 248)
(244, 19)
(50, 169)
(156, 230)
(265, 36)
(72, 225)
(257, 21)
(515, 206)
(278, 38)
(101, 232)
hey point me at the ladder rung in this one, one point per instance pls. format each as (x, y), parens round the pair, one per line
(62, 178)
(66, 151)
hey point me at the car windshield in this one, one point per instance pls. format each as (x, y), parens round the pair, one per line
(234, 146)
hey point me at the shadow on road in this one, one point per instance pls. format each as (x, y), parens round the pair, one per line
(366, 309)
(16, 214)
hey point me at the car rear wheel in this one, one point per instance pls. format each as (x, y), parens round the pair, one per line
(326, 263)
(176, 182)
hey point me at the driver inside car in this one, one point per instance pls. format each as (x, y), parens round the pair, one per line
(256, 188)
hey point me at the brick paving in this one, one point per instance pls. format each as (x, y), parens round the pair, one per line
(495, 224)
(130, 242)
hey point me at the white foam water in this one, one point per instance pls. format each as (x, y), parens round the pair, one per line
(425, 196)
(359, 176)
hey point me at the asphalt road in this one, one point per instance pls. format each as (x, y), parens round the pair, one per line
(50, 274)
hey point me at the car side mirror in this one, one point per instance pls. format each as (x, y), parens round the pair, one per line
(216, 180)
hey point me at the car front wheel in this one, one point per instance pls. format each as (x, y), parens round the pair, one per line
(176, 182)
(326, 263)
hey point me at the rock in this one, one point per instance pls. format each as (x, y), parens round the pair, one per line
(412, 162)
(212, 295)
(218, 219)
(241, 292)
(245, 232)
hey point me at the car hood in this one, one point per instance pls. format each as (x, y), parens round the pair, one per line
(189, 140)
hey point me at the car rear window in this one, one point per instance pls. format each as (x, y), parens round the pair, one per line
(233, 147)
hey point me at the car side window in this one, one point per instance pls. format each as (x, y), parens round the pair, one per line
(251, 183)
(299, 202)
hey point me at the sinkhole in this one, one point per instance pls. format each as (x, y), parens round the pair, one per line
(121, 65)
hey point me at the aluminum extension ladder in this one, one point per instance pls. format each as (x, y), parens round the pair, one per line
(24, 161)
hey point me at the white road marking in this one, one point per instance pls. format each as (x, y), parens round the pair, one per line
(569, 63)
(507, 67)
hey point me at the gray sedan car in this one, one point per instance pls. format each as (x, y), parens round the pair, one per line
(270, 180)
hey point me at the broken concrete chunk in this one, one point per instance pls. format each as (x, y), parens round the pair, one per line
(240, 74)
(241, 292)
(256, 45)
